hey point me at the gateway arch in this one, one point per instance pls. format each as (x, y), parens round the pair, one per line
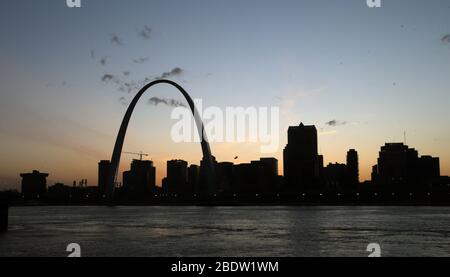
(208, 168)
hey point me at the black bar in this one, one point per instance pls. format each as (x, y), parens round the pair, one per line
(3, 217)
(222, 266)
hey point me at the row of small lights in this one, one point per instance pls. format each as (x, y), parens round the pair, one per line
(236, 195)
(278, 195)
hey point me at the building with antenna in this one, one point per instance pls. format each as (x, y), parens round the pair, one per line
(400, 168)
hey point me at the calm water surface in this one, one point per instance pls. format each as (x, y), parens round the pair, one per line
(227, 231)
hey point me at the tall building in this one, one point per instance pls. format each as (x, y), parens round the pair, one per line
(400, 168)
(177, 177)
(140, 180)
(300, 158)
(34, 185)
(104, 171)
(193, 178)
(204, 187)
(352, 167)
(396, 166)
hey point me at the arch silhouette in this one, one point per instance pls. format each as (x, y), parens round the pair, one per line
(207, 157)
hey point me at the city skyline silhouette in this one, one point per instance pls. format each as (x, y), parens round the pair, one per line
(400, 176)
(310, 141)
(379, 75)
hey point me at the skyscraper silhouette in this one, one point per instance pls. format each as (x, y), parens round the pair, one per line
(352, 167)
(177, 177)
(104, 171)
(205, 187)
(396, 167)
(400, 168)
(193, 178)
(140, 179)
(300, 158)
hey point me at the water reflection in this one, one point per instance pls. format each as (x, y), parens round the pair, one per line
(227, 231)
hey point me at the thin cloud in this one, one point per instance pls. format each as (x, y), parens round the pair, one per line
(103, 60)
(140, 60)
(123, 101)
(116, 40)
(124, 84)
(146, 32)
(148, 79)
(169, 102)
(334, 123)
(174, 72)
(128, 87)
(107, 77)
(63, 83)
(446, 38)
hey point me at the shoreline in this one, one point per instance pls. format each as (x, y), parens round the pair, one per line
(229, 204)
